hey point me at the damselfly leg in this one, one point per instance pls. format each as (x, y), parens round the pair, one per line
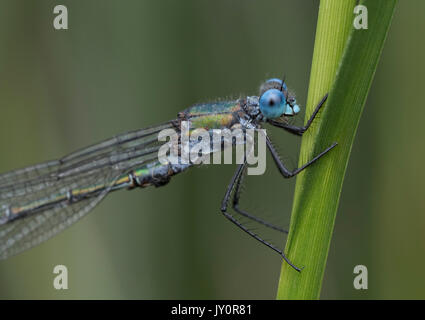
(299, 130)
(235, 205)
(286, 173)
(224, 203)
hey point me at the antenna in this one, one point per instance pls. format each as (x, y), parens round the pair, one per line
(283, 81)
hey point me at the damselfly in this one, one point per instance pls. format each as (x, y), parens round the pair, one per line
(39, 201)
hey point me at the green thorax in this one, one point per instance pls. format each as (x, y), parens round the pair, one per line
(216, 115)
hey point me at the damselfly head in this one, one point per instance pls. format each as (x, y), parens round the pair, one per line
(274, 100)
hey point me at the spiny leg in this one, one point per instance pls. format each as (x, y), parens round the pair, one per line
(299, 130)
(224, 203)
(235, 205)
(281, 166)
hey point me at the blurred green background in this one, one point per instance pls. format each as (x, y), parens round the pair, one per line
(124, 65)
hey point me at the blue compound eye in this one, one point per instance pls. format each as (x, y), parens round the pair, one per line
(279, 82)
(272, 103)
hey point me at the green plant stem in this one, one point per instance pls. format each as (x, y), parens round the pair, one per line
(344, 63)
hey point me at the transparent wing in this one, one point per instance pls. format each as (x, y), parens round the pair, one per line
(24, 233)
(100, 165)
